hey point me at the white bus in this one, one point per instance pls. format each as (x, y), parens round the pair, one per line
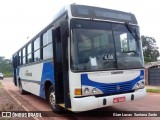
(86, 58)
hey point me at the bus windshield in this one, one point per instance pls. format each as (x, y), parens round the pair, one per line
(104, 46)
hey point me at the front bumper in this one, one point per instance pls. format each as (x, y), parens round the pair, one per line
(92, 102)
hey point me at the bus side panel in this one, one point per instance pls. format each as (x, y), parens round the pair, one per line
(47, 75)
(30, 77)
(33, 77)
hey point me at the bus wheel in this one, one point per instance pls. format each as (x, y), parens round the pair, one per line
(23, 92)
(52, 100)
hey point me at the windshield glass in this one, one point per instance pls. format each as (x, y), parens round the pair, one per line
(128, 49)
(103, 46)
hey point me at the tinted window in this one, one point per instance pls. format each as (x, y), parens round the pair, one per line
(47, 37)
(48, 51)
(19, 58)
(29, 48)
(37, 55)
(102, 13)
(104, 46)
(24, 55)
(47, 44)
(36, 52)
(37, 44)
(29, 58)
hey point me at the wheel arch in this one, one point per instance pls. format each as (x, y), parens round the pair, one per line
(47, 85)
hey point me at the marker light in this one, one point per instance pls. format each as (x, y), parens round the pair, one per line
(78, 91)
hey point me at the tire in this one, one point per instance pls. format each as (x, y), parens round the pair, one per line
(52, 101)
(23, 92)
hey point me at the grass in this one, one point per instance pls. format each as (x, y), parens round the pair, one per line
(155, 90)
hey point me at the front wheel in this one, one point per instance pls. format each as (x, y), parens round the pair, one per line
(52, 100)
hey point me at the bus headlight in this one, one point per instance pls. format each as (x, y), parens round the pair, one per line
(86, 90)
(137, 86)
(90, 90)
(142, 84)
(94, 90)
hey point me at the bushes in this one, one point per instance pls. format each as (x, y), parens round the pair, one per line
(7, 74)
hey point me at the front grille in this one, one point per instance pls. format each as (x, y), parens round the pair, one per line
(116, 87)
(110, 94)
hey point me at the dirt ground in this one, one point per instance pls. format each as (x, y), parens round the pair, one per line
(34, 103)
(7, 103)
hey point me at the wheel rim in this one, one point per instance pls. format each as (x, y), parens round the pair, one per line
(52, 99)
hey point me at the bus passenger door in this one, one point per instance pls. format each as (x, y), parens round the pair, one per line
(60, 58)
(58, 72)
(64, 38)
(15, 64)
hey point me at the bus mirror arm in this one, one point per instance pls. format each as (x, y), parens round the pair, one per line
(132, 31)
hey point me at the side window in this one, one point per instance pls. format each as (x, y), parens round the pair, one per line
(29, 60)
(124, 42)
(132, 44)
(127, 42)
(19, 58)
(24, 55)
(37, 50)
(47, 44)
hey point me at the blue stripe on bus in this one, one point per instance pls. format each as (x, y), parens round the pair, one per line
(47, 74)
(108, 88)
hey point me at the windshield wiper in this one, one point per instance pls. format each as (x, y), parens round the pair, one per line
(132, 31)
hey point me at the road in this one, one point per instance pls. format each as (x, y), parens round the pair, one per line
(33, 103)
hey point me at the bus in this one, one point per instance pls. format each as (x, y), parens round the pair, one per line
(86, 58)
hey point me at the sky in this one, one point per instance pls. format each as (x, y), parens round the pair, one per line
(20, 20)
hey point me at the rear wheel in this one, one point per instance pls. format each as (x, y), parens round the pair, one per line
(52, 100)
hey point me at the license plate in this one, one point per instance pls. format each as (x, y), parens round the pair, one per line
(119, 99)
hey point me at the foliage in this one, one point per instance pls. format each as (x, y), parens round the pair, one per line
(153, 90)
(150, 49)
(5, 66)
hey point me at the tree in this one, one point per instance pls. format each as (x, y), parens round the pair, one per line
(5, 66)
(150, 49)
